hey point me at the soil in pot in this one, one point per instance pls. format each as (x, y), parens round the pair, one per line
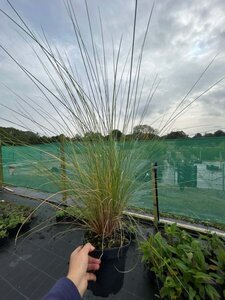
(110, 276)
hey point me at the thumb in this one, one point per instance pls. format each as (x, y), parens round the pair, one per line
(88, 248)
(77, 250)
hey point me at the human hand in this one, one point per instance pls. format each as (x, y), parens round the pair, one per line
(80, 263)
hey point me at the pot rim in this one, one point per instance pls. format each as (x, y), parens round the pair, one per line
(114, 248)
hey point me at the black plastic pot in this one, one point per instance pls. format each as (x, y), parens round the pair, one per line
(13, 231)
(152, 277)
(24, 228)
(65, 219)
(69, 219)
(110, 276)
(4, 241)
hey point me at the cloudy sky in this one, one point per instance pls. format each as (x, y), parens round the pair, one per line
(183, 39)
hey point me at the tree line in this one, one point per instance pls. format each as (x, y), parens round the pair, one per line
(13, 136)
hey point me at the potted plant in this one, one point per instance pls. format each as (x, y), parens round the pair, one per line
(14, 222)
(15, 217)
(100, 177)
(101, 186)
(70, 214)
(185, 267)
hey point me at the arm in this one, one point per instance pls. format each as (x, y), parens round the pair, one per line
(64, 289)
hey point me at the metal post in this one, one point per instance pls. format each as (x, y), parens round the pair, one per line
(63, 167)
(155, 195)
(223, 179)
(174, 174)
(1, 167)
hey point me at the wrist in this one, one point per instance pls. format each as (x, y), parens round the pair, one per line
(75, 283)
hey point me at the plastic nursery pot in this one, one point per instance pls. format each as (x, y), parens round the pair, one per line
(110, 276)
(64, 219)
(4, 240)
(13, 231)
(26, 226)
(69, 219)
(152, 278)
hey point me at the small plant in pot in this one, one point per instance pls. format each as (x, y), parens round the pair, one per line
(14, 222)
(15, 217)
(70, 215)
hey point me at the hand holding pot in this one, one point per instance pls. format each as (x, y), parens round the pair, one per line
(80, 264)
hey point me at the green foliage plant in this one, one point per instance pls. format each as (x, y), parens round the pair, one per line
(3, 233)
(14, 216)
(69, 214)
(3, 230)
(188, 268)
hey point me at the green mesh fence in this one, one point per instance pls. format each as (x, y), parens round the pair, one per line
(191, 179)
(26, 166)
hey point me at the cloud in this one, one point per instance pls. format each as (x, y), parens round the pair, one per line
(183, 38)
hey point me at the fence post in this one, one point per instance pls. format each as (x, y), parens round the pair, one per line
(155, 195)
(63, 167)
(1, 167)
(223, 179)
(174, 174)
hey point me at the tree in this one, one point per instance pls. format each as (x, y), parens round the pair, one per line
(208, 135)
(197, 135)
(116, 134)
(77, 138)
(144, 132)
(12, 136)
(92, 136)
(219, 133)
(144, 129)
(176, 135)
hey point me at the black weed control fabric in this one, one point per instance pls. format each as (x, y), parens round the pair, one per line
(29, 269)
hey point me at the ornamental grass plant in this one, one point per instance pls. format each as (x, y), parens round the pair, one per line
(101, 179)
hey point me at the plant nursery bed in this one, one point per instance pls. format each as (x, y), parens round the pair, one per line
(183, 266)
(40, 256)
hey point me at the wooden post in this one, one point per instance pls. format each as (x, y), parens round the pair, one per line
(155, 195)
(1, 167)
(63, 167)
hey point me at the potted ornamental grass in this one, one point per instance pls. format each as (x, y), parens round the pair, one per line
(100, 96)
(101, 179)
(102, 186)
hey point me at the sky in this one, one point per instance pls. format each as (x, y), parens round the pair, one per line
(183, 53)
